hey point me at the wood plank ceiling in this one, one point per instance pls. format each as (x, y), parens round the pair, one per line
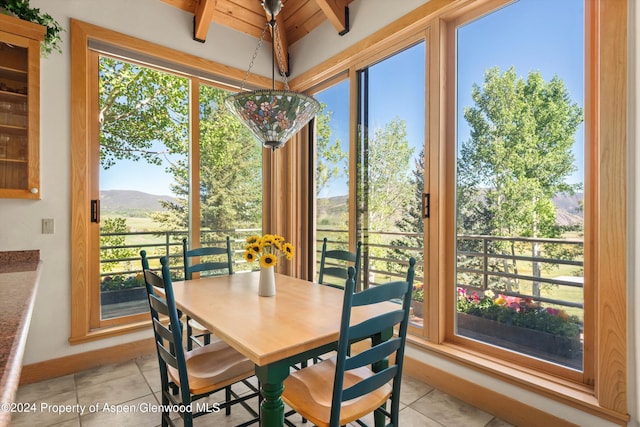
(296, 19)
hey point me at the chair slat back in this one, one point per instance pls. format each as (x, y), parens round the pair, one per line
(168, 337)
(380, 351)
(223, 264)
(334, 263)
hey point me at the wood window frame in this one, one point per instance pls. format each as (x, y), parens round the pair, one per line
(601, 389)
(85, 297)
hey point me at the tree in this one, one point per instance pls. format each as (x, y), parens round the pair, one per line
(144, 116)
(330, 159)
(518, 157)
(114, 242)
(138, 106)
(230, 172)
(386, 173)
(385, 169)
(412, 221)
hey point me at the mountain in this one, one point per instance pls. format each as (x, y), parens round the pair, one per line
(569, 209)
(130, 201)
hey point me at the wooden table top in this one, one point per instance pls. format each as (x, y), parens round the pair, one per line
(301, 316)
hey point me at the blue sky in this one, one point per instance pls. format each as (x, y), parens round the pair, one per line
(532, 35)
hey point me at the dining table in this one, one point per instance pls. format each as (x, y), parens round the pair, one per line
(301, 321)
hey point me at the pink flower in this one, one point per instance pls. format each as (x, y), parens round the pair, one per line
(552, 311)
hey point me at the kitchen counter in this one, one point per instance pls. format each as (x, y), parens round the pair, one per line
(19, 277)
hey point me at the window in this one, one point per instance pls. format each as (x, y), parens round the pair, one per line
(391, 123)
(164, 161)
(332, 219)
(573, 272)
(520, 181)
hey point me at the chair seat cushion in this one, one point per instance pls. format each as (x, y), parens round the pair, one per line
(309, 391)
(214, 366)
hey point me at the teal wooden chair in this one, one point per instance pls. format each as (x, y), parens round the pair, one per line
(342, 389)
(334, 264)
(197, 373)
(211, 260)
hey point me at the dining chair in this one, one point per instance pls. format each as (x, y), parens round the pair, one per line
(197, 373)
(334, 263)
(346, 387)
(150, 282)
(209, 259)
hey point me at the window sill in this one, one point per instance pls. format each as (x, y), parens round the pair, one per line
(576, 395)
(112, 331)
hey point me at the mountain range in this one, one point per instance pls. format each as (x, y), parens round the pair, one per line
(129, 202)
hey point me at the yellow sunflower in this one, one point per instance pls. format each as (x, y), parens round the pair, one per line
(253, 239)
(268, 260)
(250, 256)
(288, 250)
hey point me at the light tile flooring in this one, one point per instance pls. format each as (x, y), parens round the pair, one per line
(108, 391)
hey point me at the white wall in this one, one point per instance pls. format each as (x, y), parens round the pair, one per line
(154, 21)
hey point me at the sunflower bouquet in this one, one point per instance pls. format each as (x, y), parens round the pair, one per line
(266, 249)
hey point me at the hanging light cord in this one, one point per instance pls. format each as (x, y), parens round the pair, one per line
(276, 41)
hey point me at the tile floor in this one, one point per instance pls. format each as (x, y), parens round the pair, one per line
(134, 386)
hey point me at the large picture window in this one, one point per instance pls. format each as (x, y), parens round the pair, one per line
(520, 180)
(166, 162)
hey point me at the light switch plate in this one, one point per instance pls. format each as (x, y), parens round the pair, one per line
(47, 226)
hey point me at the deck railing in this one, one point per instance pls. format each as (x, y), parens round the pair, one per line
(480, 263)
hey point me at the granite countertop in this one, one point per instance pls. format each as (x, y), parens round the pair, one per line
(19, 277)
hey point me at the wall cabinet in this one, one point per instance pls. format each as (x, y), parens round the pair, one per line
(20, 108)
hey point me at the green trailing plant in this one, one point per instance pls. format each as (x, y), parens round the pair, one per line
(22, 10)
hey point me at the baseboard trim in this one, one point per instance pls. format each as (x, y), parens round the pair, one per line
(81, 361)
(508, 409)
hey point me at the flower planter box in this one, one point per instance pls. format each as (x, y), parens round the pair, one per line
(562, 350)
(418, 308)
(123, 295)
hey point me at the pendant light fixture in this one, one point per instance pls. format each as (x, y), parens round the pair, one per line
(273, 116)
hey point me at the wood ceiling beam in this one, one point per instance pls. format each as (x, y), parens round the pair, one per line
(281, 43)
(337, 13)
(202, 19)
(186, 5)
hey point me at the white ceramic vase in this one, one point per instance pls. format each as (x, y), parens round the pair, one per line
(267, 282)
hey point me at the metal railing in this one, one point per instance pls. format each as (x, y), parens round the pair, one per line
(480, 265)
(169, 244)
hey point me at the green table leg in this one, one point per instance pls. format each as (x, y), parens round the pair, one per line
(271, 378)
(272, 408)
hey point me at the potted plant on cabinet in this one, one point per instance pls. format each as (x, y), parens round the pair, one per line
(21, 9)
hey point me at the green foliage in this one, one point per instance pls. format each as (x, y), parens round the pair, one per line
(114, 225)
(331, 161)
(518, 158)
(143, 108)
(385, 176)
(230, 172)
(118, 282)
(386, 173)
(23, 10)
(137, 106)
(519, 154)
(411, 222)
(418, 292)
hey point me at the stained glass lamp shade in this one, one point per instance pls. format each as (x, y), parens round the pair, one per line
(273, 116)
